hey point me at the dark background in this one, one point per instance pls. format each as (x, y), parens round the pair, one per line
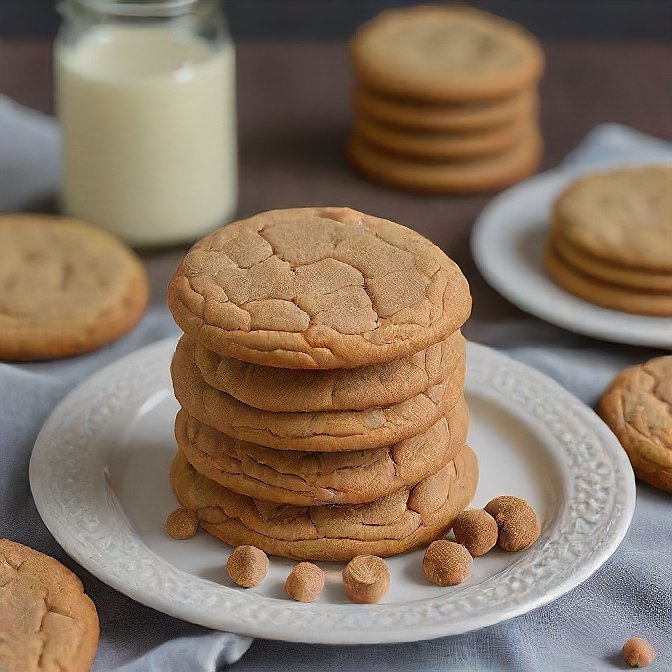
(325, 19)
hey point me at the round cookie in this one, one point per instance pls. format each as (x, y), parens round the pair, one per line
(440, 146)
(66, 288)
(317, 288)
(47, 623)
(451, 118)
(402, 521)
(623, 217)
(602, 294)
(322, 431)
(303, 479)
(610, 273)
(475, 175)
(293, 390)
(436, 53)
(637, 406)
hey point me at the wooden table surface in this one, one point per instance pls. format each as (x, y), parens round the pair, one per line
(294, 114)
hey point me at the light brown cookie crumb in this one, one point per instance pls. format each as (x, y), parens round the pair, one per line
(366, 579)
(637, 652)
(182, 523)
(517, 522)
(247, 566)
(476, 530)
(305, 582)
(446, 563)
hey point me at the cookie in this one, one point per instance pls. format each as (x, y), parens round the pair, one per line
(637, 406)
(439, 145)
(451, 118)
(602, 294)
(293, 390)
(317, 288)
(402, 521)
(475, 175)
(623, 218)
(321, 431)
(66, 288)
(437, 53)
(303, 479)
(47, 623)
(612, 274)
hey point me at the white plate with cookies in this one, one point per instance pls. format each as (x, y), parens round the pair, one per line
(99, 476)
(509, 242)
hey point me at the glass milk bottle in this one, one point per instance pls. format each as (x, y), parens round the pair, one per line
(145, 94)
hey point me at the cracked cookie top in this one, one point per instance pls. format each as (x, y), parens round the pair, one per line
(637, 406)
(317, 288)
(47, 623)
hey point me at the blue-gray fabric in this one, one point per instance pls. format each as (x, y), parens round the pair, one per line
(630, 595)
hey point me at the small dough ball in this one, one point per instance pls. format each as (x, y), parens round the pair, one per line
(446, 563)
(637, 652)
(182, 523)
(517, 522)
(476, 530)
(247, 566)
(305, 582)
(366, 579)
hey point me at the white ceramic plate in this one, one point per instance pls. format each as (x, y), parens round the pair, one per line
(99, 475)
(507, 243)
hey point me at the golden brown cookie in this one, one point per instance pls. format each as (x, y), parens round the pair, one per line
(47, 623)
(66, 288)
(438, 53)
(441, 146)
(610, 273)
(291, 390)
(637, 406)
(303, 479)
(399, 522)
(317, 288)
(623, 218)
(450, 118)
(474, 175)
(323, 431)
(602, 294)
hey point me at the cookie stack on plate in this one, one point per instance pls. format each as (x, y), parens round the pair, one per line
(611, 240)
(321, 380)
(446, 100)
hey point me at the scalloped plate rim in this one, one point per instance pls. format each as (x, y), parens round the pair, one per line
(69, 538)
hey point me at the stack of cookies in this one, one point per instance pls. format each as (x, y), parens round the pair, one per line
(321, 384)
(611, 240)
(445, 100)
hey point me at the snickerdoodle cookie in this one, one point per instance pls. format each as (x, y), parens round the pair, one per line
(47, 623)
(638, 407)
(66, 288)
(302, 478)
(317, 288)
(401, 521)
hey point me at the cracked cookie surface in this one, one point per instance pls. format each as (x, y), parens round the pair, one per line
(317, 288)
(47, 623)
(304, 479)
(292, 390)
(637, 406)
(66, 288)
(404, 520)
(310, 431)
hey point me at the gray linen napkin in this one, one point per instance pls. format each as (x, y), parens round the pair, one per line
(631, 594)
